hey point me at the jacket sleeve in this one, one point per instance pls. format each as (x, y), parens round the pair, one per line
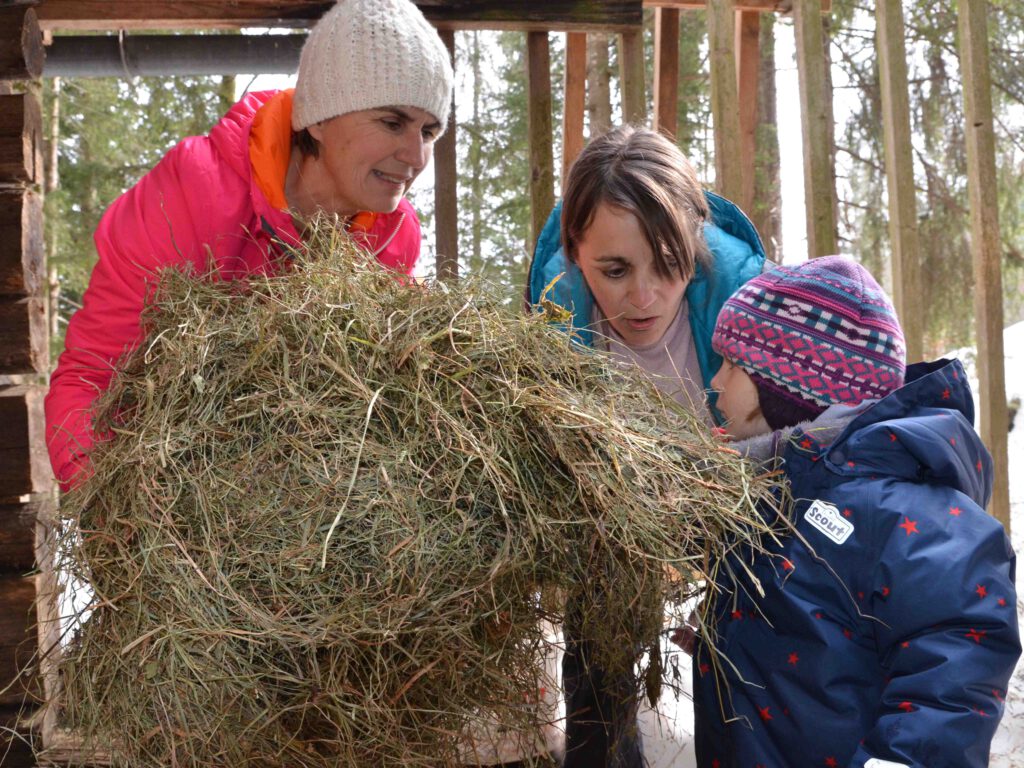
(151, 225)
(946, 634)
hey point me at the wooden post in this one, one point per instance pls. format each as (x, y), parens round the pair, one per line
(721, 16)
(985, 248)
(575, 99)
(748, 63)
(666, 71)
(538, 82)
(21, 42)
(819, 189)
(631, 77)
(899, 173)
(446, 195)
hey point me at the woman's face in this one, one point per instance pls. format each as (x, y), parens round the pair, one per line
(739, 402)
(618, 265)
(369, 158)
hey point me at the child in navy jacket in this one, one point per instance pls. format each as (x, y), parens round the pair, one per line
(887, 629)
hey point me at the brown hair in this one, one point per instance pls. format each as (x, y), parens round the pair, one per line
(644, 173)
(308, 146)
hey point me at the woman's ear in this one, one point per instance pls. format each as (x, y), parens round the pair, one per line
(316, 130)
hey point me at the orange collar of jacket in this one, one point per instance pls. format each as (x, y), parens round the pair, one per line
(270, 147)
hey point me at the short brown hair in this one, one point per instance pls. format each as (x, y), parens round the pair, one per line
(643, 172)
(308, 146)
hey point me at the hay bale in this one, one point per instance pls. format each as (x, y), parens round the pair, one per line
(330, 500)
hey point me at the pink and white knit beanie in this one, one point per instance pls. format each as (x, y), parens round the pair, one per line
(813, 335)
(365, 54)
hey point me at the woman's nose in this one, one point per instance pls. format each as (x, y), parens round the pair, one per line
(415, 150)
(643, 295)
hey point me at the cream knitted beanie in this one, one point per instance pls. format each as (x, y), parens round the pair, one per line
(365, 54)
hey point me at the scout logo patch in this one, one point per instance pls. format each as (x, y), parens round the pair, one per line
(826, 518)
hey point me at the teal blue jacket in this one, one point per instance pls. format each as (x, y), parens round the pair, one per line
(737, 256)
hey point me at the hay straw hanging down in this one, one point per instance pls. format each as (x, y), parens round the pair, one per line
(330, 501)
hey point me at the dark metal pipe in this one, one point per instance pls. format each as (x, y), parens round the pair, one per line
(169, 55)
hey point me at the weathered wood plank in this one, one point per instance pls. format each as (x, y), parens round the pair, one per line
(574, 99)
(763, 6)
(631, 77)
(666, 71)
(23, 336)
(748, 65)
(542, 163)
(24, 464)
(614, 15)
(446, 194)
(899, 173)
(21, 124)
(986, 250)
(815, 111)
(21, 240)
(20, 681)
(725, 109)
(24, 531)
(21, 43)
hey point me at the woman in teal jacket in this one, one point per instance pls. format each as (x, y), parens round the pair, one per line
(642, 260)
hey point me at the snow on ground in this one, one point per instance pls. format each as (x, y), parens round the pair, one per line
(668, 732)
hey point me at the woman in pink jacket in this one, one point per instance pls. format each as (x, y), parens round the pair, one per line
(372, 96)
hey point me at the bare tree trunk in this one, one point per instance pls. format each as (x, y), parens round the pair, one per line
(766, 212)
(599, 94)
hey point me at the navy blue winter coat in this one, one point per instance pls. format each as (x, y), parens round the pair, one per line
(888, 627)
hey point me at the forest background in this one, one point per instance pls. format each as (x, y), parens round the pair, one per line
(105, 133)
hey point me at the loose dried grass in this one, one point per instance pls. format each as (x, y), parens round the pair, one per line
(330, 501)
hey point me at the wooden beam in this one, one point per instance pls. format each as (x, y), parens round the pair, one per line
(748, 65)
(542, 164)
(21, 241)
(986, 250)
(758, 6)
(631, 77)
(23, 339)
(21, 124)
(446, 193)
(19, 641)
(724, 100)
(899, 173)
(21, 43)
(666, 71)
(575, 99)
(614, 15)
(819, 188)
(24, 525)
(24, 464)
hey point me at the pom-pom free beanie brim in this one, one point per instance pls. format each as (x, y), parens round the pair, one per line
(367, 54)
(813, 335)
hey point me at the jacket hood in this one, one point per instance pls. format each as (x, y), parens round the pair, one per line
(231, 134)
(922, 432)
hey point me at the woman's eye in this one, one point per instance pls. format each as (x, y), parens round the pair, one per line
(429, 134)
(392, 125)
(615, 272)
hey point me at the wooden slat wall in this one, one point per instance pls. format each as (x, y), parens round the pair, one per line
(666, 71)
(574, 99)
(748, 63)
(542, 172)
(986, 250)
(538, 15)
(27, 502)
(725, 109)
(446, 190)
(631, 77)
